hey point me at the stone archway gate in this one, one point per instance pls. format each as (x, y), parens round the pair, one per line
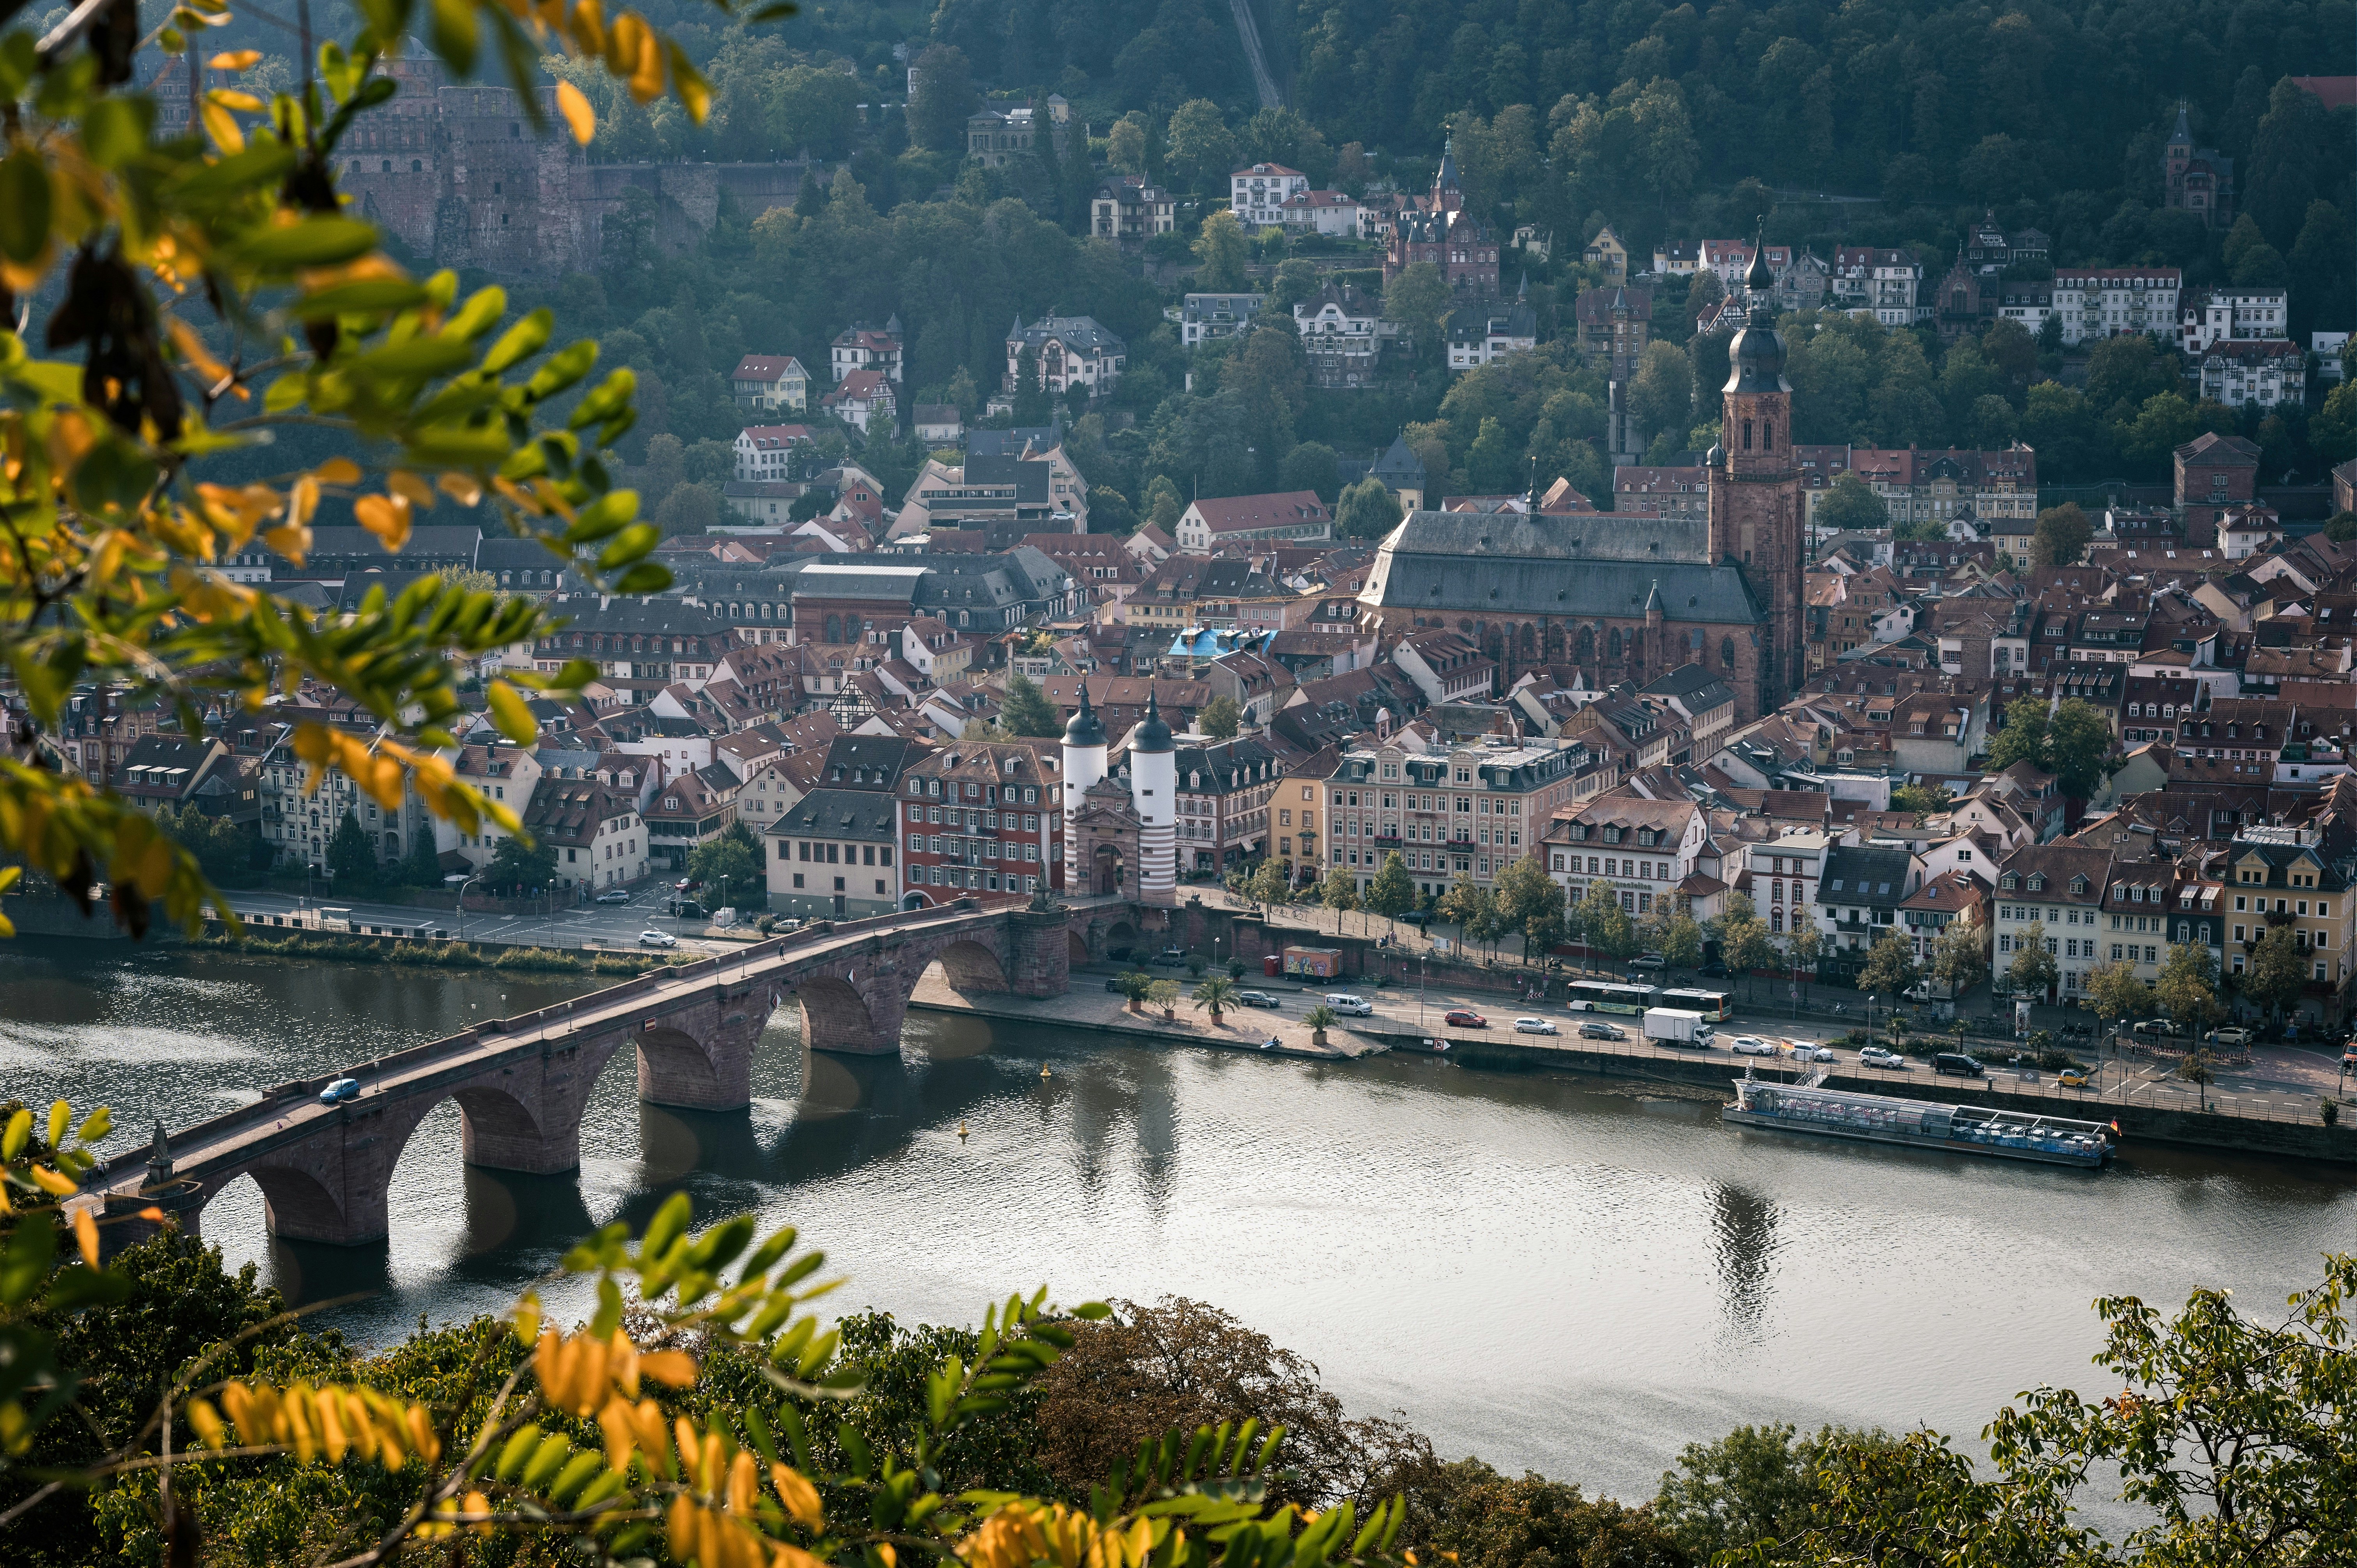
(523, 1083)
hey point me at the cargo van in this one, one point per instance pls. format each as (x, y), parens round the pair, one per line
(1355, 1006)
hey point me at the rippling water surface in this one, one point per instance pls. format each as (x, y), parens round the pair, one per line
(1574, 1282)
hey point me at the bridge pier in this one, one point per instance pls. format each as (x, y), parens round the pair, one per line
(1039, 948)
(701, 1057)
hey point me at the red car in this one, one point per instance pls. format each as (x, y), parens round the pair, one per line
(1466, 1018)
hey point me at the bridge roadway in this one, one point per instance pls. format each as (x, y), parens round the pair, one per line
(522, 1083)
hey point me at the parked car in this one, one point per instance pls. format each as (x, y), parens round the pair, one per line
(1534, 1026)
(2230, 1037)
(1113, 982)
(1875, 1055)
(2154, 1026)
(1602, 1031)
(1349, 1003)
(2072, 1077)
(1750, 1046)
(1257, 999)
(791, 923)
(1171, 955)
(343, 1089)
(1808, 1051)
(1414, 917)
(657, 939)
(617, 896)
(1647, 960)
(1956, 1064)
(1465, 1018)
(1714, 970)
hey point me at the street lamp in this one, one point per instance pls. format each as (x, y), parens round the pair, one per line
(462, 903)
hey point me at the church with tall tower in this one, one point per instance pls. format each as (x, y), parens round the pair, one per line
(1756, 505)
(1623, 596)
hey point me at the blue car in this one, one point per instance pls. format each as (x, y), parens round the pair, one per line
(343, 1089)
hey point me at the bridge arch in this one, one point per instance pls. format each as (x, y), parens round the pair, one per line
(675, 1068)
(836, 1016)
(970, 966)
(297, 1205)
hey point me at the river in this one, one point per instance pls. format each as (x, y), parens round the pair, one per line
(1558, 1279)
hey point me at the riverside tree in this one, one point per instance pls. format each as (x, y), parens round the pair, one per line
(2033, 971)
(1603, 925)
(1890, 967)
(2186, 987)
(1960, 955)
(2277, 971)
(1392, 892)
(2115, 993)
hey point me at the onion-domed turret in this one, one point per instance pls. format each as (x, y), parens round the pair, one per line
(1152, 733)
(1086, 729)
(1755, 358)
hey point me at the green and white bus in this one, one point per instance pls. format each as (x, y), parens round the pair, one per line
(1715, 1005)
(1603, 996)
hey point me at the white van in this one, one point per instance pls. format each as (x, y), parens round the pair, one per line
(1356, 1006)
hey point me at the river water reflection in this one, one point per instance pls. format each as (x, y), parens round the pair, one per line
(1554, 1278)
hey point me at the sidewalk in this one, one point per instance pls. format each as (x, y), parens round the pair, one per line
(1088, 1005)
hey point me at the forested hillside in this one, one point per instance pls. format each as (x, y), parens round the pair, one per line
(1875, 123)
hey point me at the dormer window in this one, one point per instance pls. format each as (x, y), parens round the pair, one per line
(2037, 882)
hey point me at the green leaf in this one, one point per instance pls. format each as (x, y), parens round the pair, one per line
(452, 30)
(519, 1448)
(646, 577)
(117, 129)
(388, 20)
(23, 205)
(368, 297)
(313, 242)
(478, 315)
(20, 1131)
(510, 713)
(565, 367)
(25, 1263)
(666, 1226)
(609, 514)
(521, 341)
(418, 356)
(612, 396)
(459, 445)
(629, 545)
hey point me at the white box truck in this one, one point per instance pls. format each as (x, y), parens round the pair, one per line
(1676, 1026)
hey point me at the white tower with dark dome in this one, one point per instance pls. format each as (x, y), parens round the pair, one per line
(1154, 794)
(1085, 767)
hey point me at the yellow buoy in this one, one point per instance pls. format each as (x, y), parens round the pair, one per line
(961, 1130)
(1044, 1073)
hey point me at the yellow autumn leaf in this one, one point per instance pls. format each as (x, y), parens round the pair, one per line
(387, 517)
(577, 111)
(236, 59)
(192, 349)
(222, 128)
(410, 488)
(231, 98)
(338, 471)
(85, 1232)
(464, 488)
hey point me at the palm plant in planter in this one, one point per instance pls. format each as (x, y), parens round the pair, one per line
(1320, 1018)
(1215, 995)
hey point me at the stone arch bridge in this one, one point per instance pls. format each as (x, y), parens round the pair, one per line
(523, 1083)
